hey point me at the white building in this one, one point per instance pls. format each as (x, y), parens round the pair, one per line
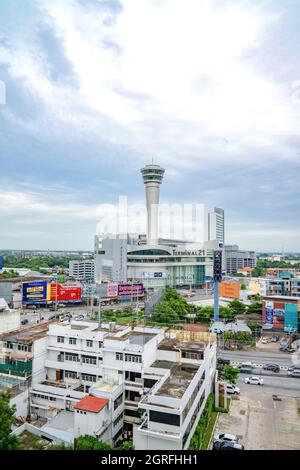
(215, 225)
(235, 259)
(156, 262)
(9, 319)
(139, 375)
(82, 269)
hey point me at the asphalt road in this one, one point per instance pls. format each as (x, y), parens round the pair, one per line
(258, 357)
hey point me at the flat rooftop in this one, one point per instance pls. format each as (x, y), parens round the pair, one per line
(27, 335)
(179, 380)
(173, 344)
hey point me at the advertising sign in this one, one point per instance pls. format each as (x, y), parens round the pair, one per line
(126, 290)
(65, 293)
(230, 290)
(1, 262)
(269, 312)
(112, 290)
(161, 275)
(291, 317)
(34, 292)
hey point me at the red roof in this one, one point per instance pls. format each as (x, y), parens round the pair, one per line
(92, 404)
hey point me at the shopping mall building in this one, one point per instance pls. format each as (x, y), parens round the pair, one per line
(154, 261)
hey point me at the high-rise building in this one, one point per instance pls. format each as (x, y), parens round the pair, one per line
(215, 229)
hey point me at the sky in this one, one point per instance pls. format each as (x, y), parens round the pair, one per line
(92, 90)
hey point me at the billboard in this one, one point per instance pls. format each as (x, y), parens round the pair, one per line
(1, 262)
(35, 292)
(65, 293)
(158, 275)
(128, 290)
(291, 318)
(269, 312)
(230, 290)
(112, 290)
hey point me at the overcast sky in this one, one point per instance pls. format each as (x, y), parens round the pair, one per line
(97, 88)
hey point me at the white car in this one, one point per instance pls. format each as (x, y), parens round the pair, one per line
(225, 438)
(264, 340)
(254, 380)
(232, 389)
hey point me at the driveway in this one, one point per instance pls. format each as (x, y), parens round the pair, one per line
(265, 417)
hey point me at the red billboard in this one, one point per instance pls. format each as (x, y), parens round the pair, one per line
(65, 293)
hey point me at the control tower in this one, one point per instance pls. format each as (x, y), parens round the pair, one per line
(152, 176)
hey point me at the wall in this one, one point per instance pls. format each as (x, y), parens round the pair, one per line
(22, 403)
(9, 320)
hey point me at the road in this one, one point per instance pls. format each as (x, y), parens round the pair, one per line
(34, 316)
(258, 357)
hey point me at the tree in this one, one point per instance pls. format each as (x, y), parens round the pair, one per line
(163, 313)
(255, 309)
(230, 373)
(91, 443)
(8, 441)
(243, 287)
(237, 307)
(204, 313)
(127, 445)
(225, 312)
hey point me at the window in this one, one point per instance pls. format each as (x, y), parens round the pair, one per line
(89, 343)
(71, 357)
(88, 377)
(119, 356)
(118, 419)
(192, 355)
(70, 375)
(118, 401)
(89, 360)
(165, 418)
(133, 358)
(60, 339)
(72, 340)
(100, 344)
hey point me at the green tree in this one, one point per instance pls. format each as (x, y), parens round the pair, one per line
(204, 313)
(243, 287)
(237, 307)
(226, 312)
(8, 441)
(255, 309)
(91, 443)
(163, 313)
(230, 373)
(127, 445)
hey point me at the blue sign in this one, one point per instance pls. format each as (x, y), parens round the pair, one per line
(34, 292)
(269, 313)
(1, 262)
(291, 317)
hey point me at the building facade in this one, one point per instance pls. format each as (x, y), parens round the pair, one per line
(215, 225)
(235, 259)
(138, 374)
(82, 269)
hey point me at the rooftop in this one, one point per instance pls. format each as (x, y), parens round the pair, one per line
(91, 404)
(173, 344)
(179, 380)
(27, 335)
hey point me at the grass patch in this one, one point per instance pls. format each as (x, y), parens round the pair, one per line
(209, 430)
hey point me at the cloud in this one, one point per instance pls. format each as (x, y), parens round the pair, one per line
(97, 88)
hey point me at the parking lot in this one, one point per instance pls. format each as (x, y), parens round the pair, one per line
(265, 417)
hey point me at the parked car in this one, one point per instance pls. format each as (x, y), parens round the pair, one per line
(225, 438)
(24, 322)
(294, 373)
(274, 339)
(272, 367)
(293, 368)
(53, 317)
(52, 309)
(264, 340)
(227, 446)
(254, 380)
(232, 389)
(221, 360)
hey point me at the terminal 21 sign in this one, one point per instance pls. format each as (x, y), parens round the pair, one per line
(189, 253)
